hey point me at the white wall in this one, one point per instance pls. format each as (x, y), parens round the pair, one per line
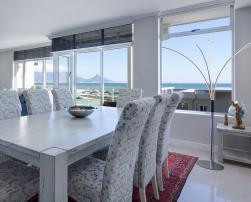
(6, 59)
(146, 55)
(243, 61)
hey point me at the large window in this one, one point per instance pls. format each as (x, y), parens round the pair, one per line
(214, 37)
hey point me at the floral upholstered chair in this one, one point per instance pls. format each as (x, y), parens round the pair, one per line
(126, 95)
(62, 98)
(95, 180)
(37, 101)
(10, 108)
(145, 170)
(164, 134)
(18, 182)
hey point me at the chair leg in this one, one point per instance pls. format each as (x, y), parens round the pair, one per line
(155, 187)
(159, 177)
(166, 168)
(142, 194)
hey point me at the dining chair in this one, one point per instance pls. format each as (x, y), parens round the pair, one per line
(145, 169)
(37, 101)
(126, 95)
(91, 179)
(18, 182)
(62, 98)
(10, 108)
(164, 134)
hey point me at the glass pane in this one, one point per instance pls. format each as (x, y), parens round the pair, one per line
(200, 25)
(63, 71)
(34, 74)
(19, 69)
(88, 79)
(49, 73)
(115, 72)
(179, 74)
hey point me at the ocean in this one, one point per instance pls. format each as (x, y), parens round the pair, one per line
(110, 86)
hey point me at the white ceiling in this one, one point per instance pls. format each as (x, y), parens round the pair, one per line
(29, 22)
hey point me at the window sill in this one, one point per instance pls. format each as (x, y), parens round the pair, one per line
(198, 113)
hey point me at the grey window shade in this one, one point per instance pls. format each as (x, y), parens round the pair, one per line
(113, 35)
(35, 53)
(88, 39)
(63, 43)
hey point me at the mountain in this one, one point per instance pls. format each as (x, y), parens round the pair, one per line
(38, 76)
(94, 79)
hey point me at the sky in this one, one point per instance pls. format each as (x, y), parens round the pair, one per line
(216, 47)
(175, 69)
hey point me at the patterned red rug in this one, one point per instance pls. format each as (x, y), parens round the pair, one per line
(180, 167)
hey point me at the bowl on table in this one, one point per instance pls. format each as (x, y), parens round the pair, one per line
(81, 111)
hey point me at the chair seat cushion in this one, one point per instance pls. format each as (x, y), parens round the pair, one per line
(18, 182)
(85, 179)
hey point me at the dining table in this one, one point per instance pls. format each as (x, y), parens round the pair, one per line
(53, 141)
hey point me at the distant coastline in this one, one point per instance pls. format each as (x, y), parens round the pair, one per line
(114, 85)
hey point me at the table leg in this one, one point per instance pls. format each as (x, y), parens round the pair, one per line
(220, 146)
(53, 176)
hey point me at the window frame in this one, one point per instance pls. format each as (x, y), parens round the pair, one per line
(230, 27)
(24, 70)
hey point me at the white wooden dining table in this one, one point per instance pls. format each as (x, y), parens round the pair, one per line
(53, 141)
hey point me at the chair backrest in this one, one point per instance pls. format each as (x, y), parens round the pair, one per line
(164, 130)
(37, 101)
(117, 183)
(146, 164)
(10, 106)
(62, 98)
(126, 95)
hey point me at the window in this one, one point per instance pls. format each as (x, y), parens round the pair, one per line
(115, 72)
(214, 37)
(19, 75)
(63, 71)
(88, 79)
(196, 26)
(34, 74)
(49, 73)
(37, 73)
(99, 74)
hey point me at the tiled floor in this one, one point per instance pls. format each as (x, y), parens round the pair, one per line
(233, 184)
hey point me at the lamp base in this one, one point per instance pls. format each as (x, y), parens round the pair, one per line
(210, 165)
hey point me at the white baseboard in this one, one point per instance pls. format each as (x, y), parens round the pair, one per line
(190, 145)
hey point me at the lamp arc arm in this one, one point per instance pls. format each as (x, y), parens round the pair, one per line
(191, 62)
(208, 71)
(232, 57)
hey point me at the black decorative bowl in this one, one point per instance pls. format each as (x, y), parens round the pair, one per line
(81, 111)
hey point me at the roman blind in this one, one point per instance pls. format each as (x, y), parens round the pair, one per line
(36, 53)
(107, 36)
